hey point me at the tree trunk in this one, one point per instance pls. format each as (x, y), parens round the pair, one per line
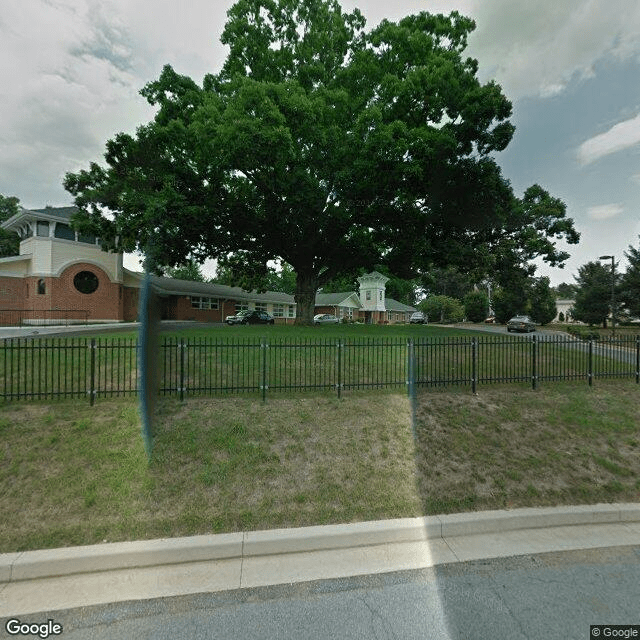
(305, 297)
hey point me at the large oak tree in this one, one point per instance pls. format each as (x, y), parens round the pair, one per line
(325, 146)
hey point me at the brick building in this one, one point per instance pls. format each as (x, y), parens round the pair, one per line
(63, 275)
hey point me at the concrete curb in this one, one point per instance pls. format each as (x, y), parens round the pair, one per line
(50, 563)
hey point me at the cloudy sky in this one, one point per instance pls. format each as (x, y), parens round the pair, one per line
(71, 70)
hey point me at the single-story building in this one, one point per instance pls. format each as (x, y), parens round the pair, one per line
(63, 275)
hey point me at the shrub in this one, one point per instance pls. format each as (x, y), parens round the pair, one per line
(476, 306)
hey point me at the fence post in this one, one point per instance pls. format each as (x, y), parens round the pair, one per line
(263, 386)
(92, 392)
(474, 365)
(339, 347)
(534, 354)
(410, 365)
(182, 348)
(590, 363)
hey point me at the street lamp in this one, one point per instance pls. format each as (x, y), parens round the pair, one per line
(613, 293)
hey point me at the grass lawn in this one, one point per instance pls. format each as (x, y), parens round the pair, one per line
(71, 474)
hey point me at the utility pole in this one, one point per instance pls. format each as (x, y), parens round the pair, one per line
(613, 293)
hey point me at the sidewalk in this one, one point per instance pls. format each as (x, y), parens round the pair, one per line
(35, 331)
(48, 580)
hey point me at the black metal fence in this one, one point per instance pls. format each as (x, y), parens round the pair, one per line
(94, 368)
(40, 317)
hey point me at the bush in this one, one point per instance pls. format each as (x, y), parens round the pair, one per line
(442, 309)
(476, 306)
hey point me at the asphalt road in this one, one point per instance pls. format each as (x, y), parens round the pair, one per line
(532, 597)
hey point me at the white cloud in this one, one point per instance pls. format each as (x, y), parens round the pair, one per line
(536, 48)
(621, 136)
(604, 211)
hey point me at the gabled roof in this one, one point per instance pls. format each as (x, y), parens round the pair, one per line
(58, 212)
(345, 299)
(48, 213)
(173, 286)
(393, 305)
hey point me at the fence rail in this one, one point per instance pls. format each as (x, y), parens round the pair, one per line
(94, 368)
(40, 317)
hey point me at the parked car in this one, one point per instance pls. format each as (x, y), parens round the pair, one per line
(490, 320)
(521, 323)
(417, 318)
(325, 318)
(250, 316)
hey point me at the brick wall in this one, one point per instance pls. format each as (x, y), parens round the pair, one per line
(13, 293)
(105, 303)
(130, 297)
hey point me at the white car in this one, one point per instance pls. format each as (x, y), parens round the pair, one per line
(325, 318)
(417, 318)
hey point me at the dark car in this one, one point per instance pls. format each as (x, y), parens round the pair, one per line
(250, 316)
(521, 323)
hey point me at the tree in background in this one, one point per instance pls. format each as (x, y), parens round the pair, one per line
(476, 306)
(512, 296)
(322, 145)
(9, 240)
(188, 271)
(566, 291)
(447, 281)
(442, 309)
(542, 302)
(282, 279)
(629, 289)
(593, 297)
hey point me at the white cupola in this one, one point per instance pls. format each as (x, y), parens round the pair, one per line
(372, 291)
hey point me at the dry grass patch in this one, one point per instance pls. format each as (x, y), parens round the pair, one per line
(71, 474)
(512, 447)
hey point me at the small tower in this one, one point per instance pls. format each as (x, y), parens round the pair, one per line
(372, 292)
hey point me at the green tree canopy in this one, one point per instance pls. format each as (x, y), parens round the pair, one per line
(442, 309)
(542, 303)
(9, 240)
(476, 306)
(566, 290)
(593, 297)
(325, 146)
(629, 292)
(188, 271)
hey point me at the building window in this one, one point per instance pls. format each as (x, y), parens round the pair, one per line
(86, 282)
(89, 238)
(368, 295)
(42, 229)
(261, 306)
(42, 289)
(381, 295)
(241, 306)
(64, 231)
(291, 311)
(204, 303)
(278, 311)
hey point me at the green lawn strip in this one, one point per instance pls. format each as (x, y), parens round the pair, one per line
(512, 447)
(72, 474)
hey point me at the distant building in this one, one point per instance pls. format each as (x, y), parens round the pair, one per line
(564, 307)
(63, 275)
